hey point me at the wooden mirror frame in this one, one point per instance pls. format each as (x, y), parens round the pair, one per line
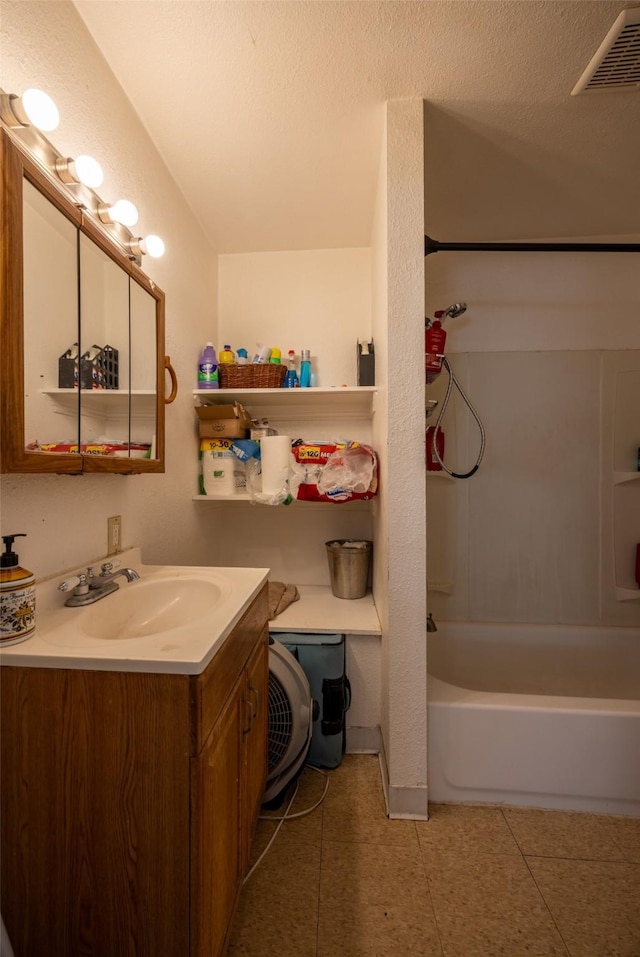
(16, 166)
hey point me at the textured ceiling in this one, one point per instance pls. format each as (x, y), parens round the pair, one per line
(269, 115)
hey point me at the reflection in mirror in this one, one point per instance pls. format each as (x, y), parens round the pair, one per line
(104, 351)
(144, 364)
(50, 319)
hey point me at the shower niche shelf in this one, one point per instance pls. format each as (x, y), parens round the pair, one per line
(621, 478)
(621, 484)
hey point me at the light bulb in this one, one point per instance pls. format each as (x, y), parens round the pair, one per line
(82, 169)
(88, 171)
(40, 109)
(153, 246)
(123, 212)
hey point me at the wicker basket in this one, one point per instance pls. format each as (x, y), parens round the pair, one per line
(268, 375)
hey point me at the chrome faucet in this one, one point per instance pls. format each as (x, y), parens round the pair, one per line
(107, 574)
(87, 588)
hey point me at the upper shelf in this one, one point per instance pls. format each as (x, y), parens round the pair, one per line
(349, 401)
(619, 478)
(100, 400)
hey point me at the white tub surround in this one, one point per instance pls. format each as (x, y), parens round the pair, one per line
(171, 621)
(535, 716)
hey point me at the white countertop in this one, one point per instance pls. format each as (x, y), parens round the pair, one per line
(319, 611)
(68, 637)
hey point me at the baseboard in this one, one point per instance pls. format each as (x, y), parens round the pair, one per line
(363, 740)
(402, 803)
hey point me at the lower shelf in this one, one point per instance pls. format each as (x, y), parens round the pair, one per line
(627, 594)
(319, 611)
(242, 498)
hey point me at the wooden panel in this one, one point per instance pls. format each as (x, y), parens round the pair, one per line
(95, 824)
(212, 687)
(255, 754)
(216, 830)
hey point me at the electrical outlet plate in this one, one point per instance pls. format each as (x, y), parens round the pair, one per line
(114, 535)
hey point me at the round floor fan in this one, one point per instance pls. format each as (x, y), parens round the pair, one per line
(290, 719)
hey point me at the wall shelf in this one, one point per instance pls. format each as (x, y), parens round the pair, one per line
(620, 478)
(293, 404)
(318, 610)
(242, 498)
(627, 594)
(439, 475)
(104, 401)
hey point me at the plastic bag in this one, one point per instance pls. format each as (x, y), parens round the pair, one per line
(348, 473)
(254, 485)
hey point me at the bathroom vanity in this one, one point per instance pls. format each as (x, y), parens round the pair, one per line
(130, 793)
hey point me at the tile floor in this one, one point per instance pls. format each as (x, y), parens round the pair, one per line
(346, 881)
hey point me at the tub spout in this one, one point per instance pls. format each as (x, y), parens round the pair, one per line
(431, 625)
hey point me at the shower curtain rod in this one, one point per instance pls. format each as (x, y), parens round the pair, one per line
(433, 246)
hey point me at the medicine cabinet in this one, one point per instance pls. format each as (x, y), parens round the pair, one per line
(82, 364)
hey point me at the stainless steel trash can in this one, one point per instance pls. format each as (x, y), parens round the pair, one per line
(349, 563)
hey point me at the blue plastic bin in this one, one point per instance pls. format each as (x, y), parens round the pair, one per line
(322, 658)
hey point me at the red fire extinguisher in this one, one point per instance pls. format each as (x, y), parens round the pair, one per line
(434, 342)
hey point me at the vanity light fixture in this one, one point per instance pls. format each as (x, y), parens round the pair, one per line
(33, 108)
(123, 212)
(83, 169)
(28, 116)
(151, 245)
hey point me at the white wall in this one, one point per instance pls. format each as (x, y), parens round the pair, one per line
(316, 299)
(46, 45)
(529, 537)
(400, 294)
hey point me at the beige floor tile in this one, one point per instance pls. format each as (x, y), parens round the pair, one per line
(488, 905)
(542, 833)
(466, 830)
(275, 928)
(625, 833)
(596, 904)
(359, 771)
(356, 928)
(362, 819)
(354, 808)
(278, 909)
(372, 873)
(307, 828)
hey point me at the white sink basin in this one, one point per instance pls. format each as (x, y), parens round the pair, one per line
(151, 606)
(173, 619)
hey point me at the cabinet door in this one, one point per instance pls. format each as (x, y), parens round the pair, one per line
(215, 836)
(255, 744)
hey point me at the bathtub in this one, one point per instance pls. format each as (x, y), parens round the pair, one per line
(535, 715)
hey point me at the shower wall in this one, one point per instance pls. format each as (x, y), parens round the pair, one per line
(542, 351)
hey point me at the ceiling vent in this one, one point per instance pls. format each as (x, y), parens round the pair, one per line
(616, 64)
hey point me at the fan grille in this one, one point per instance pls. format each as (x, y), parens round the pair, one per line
(616, 64)
(280, 722)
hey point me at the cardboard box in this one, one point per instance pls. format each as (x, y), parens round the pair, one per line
(223, 421)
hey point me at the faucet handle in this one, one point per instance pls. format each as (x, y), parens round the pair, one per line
(108, 567)
(71, 582)
(79, 583)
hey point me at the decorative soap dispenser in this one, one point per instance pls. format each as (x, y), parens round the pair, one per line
(17, 596)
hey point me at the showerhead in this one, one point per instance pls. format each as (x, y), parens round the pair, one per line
(453, 311)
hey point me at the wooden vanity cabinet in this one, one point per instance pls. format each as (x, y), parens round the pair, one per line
(129, 802)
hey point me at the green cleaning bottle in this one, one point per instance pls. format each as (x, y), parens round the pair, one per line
(17, 596)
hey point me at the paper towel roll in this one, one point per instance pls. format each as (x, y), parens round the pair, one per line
(275, 458)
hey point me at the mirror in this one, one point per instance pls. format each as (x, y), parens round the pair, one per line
(82, 362)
